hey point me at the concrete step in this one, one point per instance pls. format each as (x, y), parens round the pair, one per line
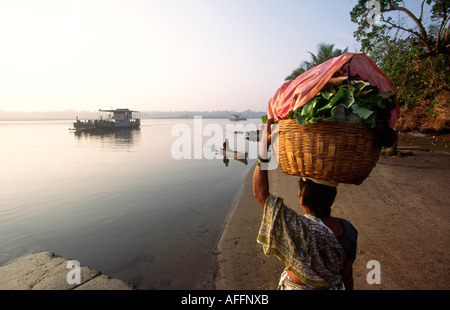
(48, 271)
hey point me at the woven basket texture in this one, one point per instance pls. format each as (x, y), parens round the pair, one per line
(337, 152)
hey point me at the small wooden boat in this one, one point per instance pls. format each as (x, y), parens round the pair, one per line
(234, 154)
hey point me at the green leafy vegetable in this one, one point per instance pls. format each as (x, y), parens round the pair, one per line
(361, 112)
(358, 102)
(350, 102)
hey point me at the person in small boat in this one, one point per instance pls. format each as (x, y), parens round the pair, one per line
(225, 145)
(317, 249)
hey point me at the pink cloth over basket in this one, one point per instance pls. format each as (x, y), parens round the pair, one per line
(294, 94)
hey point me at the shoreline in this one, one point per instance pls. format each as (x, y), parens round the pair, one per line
(400, 212)
(49, 271)
(240, 258)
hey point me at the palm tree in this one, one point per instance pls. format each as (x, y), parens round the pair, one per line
(297, 72)
(325, 52)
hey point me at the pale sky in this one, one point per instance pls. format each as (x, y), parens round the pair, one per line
(159, 54)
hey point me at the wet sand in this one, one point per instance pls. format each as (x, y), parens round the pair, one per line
(401, 213)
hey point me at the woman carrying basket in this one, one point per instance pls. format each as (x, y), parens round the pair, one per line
(317, 249)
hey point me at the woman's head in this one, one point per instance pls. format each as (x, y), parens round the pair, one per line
(317, 197)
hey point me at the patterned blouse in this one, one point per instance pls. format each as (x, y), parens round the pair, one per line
(305, 244)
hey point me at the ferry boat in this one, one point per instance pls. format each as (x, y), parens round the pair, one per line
(110, 120)
(237, 118)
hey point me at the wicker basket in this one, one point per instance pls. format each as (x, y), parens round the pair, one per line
(327, 151)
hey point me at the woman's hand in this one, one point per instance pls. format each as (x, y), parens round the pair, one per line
(269, 123)
(260, 176)
(266, 138)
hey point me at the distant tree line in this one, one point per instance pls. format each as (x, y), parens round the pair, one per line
(82, 115)
(204, 114)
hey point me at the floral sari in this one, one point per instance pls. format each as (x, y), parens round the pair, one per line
(304, 244)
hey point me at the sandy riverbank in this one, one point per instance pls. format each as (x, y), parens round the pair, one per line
(400, 211)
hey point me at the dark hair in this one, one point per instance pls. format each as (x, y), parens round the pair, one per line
(317, 197)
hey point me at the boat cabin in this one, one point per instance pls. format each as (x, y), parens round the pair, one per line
(120, 115)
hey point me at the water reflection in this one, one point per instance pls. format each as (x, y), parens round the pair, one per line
(237, 156)
(119, 202)
(252, 135)
(120, 139)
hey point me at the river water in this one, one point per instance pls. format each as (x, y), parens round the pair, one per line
(146, 206)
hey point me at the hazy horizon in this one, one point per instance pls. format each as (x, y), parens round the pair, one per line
(70, 114)
(159, 55)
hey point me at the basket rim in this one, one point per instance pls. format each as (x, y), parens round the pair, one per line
(322, 134)
(324, 124)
